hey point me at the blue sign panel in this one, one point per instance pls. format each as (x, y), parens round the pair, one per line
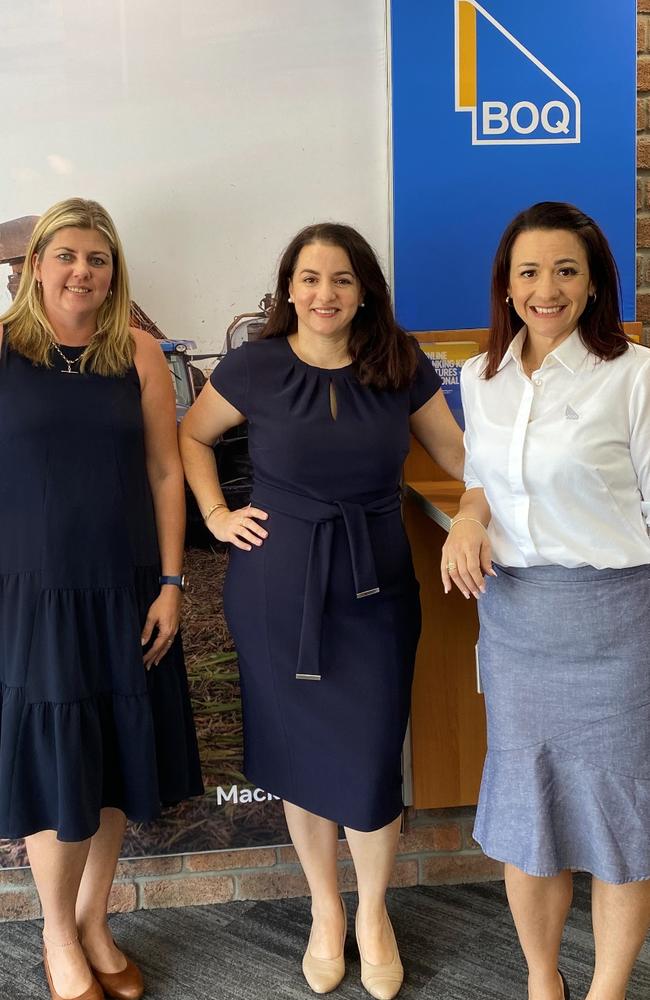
(496, 106)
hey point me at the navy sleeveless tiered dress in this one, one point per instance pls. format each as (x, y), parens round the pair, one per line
(82, 725)
(325, 614)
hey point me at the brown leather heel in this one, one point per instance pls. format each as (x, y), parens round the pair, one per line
(94, 991)
(565, 986)
(125, 985)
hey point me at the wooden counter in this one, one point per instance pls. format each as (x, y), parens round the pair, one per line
(447, 714)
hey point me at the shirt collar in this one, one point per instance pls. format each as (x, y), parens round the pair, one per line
(570, 353)
(514, 349)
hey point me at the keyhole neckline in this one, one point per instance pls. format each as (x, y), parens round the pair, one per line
(317, 368)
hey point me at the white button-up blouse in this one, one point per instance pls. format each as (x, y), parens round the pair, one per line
(563, 457)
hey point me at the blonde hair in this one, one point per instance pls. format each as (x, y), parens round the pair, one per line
(27, 328)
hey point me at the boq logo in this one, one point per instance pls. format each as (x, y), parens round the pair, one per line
(512, 97)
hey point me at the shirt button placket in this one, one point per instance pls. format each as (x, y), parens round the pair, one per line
(521, 502)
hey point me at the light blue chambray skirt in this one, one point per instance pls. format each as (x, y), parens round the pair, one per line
(564, 658)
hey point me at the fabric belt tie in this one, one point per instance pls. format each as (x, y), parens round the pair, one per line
(322, 514)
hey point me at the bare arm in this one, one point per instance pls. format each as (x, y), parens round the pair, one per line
(437, 431)
(209, 418)
(467, 553)
(165, 475)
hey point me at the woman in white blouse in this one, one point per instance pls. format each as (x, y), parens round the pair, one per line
(558, 494)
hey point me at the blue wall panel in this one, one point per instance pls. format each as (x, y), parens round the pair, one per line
(550, 116)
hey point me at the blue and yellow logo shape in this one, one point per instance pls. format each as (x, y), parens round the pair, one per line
(512, 97)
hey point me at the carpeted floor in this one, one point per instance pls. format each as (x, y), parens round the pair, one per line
(457, 943)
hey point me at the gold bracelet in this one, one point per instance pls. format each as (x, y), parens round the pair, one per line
(212, 510)
(463, 517)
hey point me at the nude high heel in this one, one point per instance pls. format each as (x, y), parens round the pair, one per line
(324, 974)
(382, 981)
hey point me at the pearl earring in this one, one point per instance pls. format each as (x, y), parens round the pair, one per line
(508, 300)
(290, 300)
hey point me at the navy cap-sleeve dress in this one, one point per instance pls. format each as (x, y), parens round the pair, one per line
(325, 614)
(82, 724)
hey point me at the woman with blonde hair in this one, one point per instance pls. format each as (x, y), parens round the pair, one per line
(90, 589)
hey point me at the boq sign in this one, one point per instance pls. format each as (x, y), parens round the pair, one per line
(512, 97)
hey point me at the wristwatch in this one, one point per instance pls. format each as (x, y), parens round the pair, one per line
(177, 581)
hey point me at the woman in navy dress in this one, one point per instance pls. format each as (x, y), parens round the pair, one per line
(94, 727)
(320, 594)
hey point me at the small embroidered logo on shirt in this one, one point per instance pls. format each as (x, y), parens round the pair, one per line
(571, 414)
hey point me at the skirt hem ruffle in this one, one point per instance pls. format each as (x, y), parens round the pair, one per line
(83, 725)
(500, 855)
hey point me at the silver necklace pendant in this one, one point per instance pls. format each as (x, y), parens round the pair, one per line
(70, 370)
(67, 360)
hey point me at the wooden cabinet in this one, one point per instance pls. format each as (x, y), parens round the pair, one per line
(447, 713)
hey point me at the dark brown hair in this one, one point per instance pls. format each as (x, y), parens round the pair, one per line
(600, 323)
(383, 353)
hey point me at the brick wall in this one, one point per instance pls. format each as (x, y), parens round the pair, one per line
(437, 845)
(436, 848)
(643, 163)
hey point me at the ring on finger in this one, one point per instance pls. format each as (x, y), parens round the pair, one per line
(451, 565)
